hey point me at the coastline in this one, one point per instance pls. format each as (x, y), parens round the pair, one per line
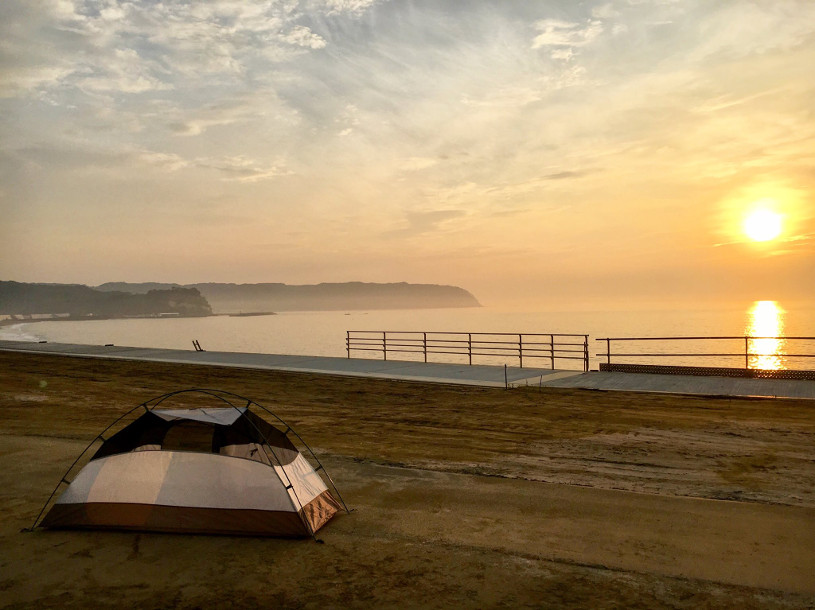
(487, 497)
(92, 318)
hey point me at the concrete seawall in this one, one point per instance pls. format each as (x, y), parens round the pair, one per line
(460, 374)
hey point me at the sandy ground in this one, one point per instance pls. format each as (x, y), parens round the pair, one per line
(462, 497)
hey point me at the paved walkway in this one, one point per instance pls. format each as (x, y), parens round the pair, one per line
(461, 374)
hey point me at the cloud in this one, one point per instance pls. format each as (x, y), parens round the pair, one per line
(22, 80)
(225, 112)
(511, 96)
(137, 46)
(347, 119)
(533, 190)
(238, 168)
(563, 54)
(558, 33)
(302, 36)
(515, 124)
(123, 72)
(566, 175)
(419, 223)
(605, 11)
(414, 164)
(164, 161)
(242, 169)
(739, 29)
(349, 6)
(111, 161)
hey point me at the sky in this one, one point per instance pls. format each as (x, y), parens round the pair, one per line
(541, 154)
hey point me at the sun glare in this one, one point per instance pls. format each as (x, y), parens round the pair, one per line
(765, 324)
(762, 225)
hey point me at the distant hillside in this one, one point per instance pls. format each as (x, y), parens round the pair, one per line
(232, 298)
(18, 298)
(136, 288)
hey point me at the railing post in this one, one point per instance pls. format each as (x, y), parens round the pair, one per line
(521, 350)
(585, 353)
(470, 347)
(384, 345)
(348, 342)
(608, 351)
(746, 353)
(424, 345)
(552, 350)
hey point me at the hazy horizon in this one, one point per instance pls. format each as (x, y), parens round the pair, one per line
(602, 304)
(539, 155)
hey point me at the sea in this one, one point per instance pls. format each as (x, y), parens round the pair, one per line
(323, 333)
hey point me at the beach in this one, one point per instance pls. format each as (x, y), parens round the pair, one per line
(460, 496)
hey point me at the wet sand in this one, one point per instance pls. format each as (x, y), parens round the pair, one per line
(464, 497)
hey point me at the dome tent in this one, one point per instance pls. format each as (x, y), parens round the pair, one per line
(216, 470)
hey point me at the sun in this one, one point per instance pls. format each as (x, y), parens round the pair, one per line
(762, 225)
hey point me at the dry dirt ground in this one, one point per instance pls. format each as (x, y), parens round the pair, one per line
(461, 497)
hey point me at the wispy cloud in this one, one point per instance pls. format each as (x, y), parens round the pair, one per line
(242, 169)
(139, 46)
(558, 33)
(419, 223)
(523, 126)
(736, 29)
(227, 112)
(349, 6)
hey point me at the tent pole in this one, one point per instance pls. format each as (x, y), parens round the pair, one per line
(76, 461)
(313, 455)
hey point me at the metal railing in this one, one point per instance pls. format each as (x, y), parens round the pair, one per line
(551, 347)
(755, 353)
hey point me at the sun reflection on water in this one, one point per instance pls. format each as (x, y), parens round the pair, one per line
(765, 319)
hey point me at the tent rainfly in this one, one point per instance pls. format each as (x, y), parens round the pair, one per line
(221, 470)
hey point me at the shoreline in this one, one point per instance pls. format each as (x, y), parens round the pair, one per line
(92, 318)
(234, 314)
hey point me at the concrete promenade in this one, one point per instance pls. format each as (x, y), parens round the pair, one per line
(461, 374)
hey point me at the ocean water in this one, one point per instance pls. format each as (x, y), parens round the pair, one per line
(324, 333)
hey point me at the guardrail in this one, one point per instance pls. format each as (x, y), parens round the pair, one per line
(551, 347)
(761, 356)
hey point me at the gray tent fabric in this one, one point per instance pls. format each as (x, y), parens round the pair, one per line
(214, 470)
(224, 416)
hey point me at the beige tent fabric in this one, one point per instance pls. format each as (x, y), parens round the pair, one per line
(176, 478)
(306, 484)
